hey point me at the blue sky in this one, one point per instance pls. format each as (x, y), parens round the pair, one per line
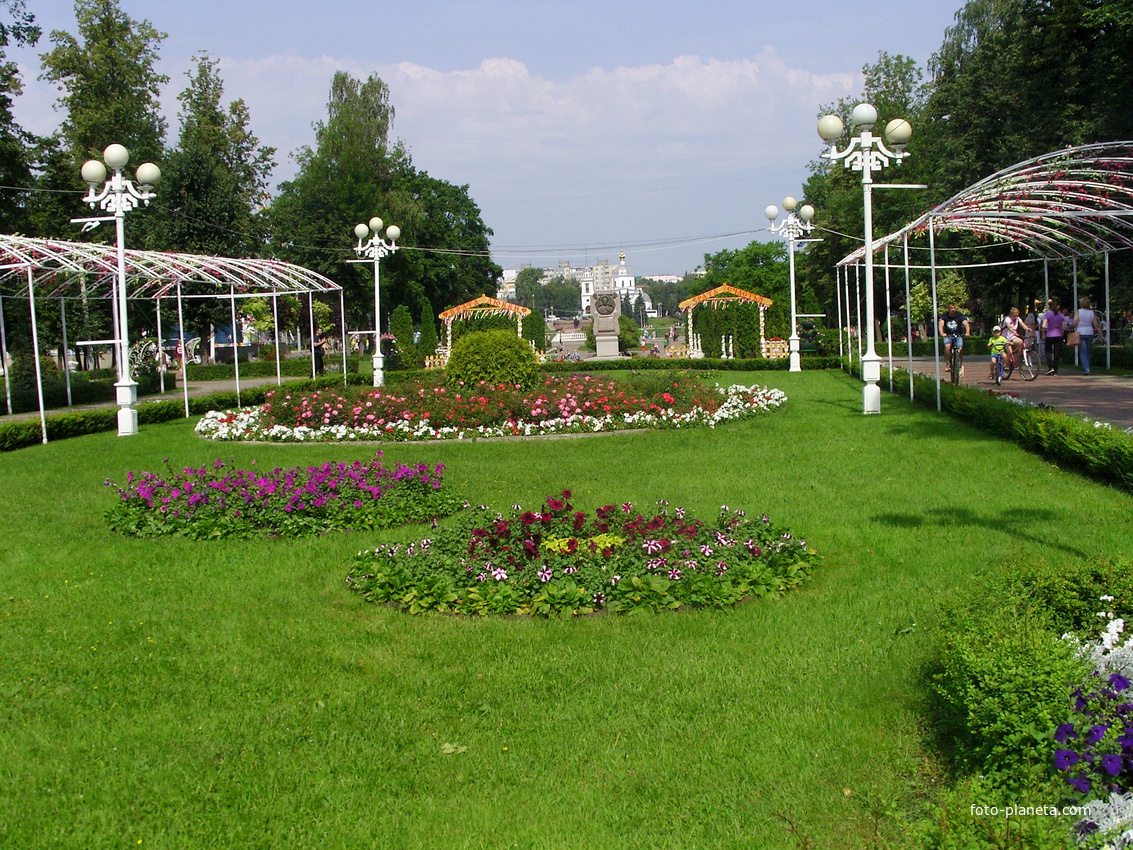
(583, 129)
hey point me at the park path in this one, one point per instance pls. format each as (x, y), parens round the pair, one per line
(1100, 396)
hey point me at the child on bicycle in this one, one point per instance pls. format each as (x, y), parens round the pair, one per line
(997, 345)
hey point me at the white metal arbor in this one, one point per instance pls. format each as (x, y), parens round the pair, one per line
(1063, 205)
(33, 269)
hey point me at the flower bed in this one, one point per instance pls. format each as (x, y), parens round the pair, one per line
(216, 501)
(560, 561)
(427, 410)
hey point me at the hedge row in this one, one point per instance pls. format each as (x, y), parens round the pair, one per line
(19, 435)
(754, 364)
(1101, 452)
(295, 367)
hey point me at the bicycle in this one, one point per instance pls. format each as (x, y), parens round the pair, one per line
(955, 361)
(1025, 360)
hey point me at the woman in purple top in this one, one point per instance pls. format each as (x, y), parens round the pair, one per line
(1054, 328)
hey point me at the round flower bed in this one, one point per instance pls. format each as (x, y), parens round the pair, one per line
(427, 410)
(216, 501)
(557, 560)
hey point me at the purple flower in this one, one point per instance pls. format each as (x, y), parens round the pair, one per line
(499, 574)
(1111, 764)
(1064, 733)
(1119, 682)
(1081, 783)
(1065, 759)
(545, 574)
(705, 549)
(614, 580)
(599, 598)
(652, 546)
(675, 574)
(1096, 733)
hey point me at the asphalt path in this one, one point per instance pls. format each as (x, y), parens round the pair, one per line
(1099, 396)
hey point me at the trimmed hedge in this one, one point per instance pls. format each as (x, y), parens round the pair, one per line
(295, 367)
(755, 364)
(1102, 453)
(19, 435)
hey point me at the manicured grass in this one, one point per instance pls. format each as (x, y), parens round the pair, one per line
(185, 694)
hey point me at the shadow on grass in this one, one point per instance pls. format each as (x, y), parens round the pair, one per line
(1018, 522)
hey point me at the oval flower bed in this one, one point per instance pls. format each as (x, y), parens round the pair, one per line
(428, 410)
(557, 560)
(215, 501)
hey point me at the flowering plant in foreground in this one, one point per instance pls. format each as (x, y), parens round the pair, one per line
(428, 410)
(216, 500)
(1096, 746)
(558, 560)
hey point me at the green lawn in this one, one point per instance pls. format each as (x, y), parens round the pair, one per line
(178, 694)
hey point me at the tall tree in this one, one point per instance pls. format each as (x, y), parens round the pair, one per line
(15, 163)
(110, 86)
(346, 178)
(215, 182)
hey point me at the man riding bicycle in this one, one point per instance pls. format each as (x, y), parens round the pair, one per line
(953, 326)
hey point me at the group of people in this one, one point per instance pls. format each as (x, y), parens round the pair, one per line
(1057, 326)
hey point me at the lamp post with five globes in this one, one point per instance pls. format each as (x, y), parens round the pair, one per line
(793, 228)
(372, 246)
(117, 196)
(867, 153)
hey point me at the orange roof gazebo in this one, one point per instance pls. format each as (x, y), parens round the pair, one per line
(719, 298)
(482, 306)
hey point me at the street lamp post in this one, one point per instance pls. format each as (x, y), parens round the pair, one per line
(794, 227)
(117, 196)
(372, 246)
(867, 153)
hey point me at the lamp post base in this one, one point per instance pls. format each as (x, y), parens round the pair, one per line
(796, 359)
(379, 366)
(871, 374)
(126, 393)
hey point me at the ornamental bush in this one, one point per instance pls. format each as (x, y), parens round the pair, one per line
(1003, 673)
(494, 357)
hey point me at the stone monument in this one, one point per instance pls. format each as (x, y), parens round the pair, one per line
(607, 307)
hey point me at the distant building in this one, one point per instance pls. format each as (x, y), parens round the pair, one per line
(601, 275)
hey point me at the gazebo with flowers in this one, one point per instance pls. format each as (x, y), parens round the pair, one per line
(721, 298)
(482, 306)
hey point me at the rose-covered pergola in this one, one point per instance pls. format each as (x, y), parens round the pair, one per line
(32, 270)
(481, 306)
(1061, 206)
(721, 298)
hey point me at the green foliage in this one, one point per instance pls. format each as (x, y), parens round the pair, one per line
(1093, 449)
(535, 331)
(109, 83)
(216, 501)
(560, 562)
(950, 289)
(496, 357)
(629, 336)
(1002, 684)
(401, 326)
(427, 344)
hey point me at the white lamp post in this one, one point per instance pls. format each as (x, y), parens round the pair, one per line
(793, 228)
(372, 246)
(867, 153)
(117, 196)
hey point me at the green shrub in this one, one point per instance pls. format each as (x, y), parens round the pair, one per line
(535, 330)
(497, 357)
(1003, 674)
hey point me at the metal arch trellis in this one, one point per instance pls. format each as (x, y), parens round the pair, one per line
(58, 269)
(1062, 205)
(67, 266)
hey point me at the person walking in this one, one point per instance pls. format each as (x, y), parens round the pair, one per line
(318, 346)
(1085, 322)
(1054, 334)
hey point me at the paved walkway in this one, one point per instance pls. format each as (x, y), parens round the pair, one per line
(1108, 398)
